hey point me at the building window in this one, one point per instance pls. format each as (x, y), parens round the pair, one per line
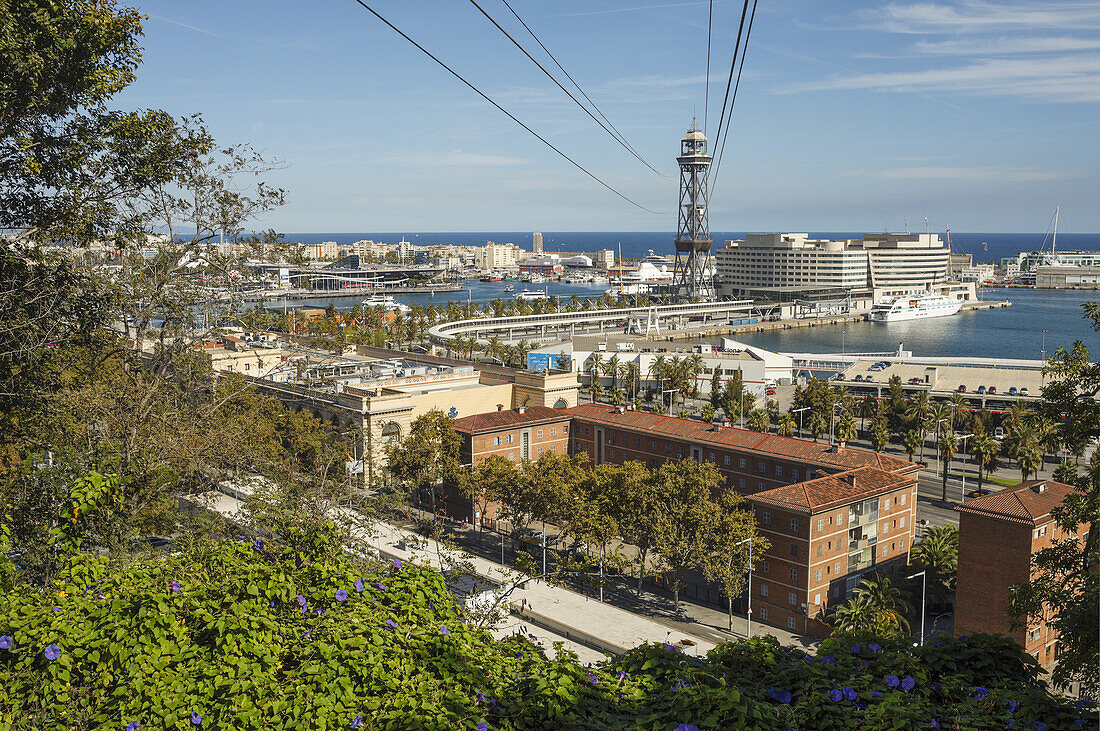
(836, 592)
(779, 470)
(680, 451)
(540, 452)
(819, 549)
(763, 590)
(496, 441)
(510, 438)
(552, 431)
(765, 518)
(840, 518)
(763, 467)
(794, 474)
(741, 483)
(794, 550)
(901, 499)
(764, 613)
(838, 567)
(794, 525)
(886, 503)
(668, 448)
(817, 577)
(792, 598)
(765, 566)
(726, 460)
(817, 598)
(653, 445)
(565, 429)
(903, 523)
(885, 528)
(760, 487)
(611, 454)
(744, 463)
(794, 574)
(903, 544)
(820, 524)
(712, 458)
(511, 456)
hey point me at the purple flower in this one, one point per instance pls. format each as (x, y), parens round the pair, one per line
(57, 609)
(1012, 706)
(444, 631)
(828, 660)
(978, 692)
(271, 603)
(378, 586)
(779, 695)
(908, 683)
(687, 727)
(855, 649)
(850, 693)
(302, 601)
(593, 679)
(876, 694)
(174, 586)
(875, 648)
(835, 695)
(892, 681)
(195, 717)
(681, 684)
(397, 563)
(257, 545)
(320, 612)
(357, 721)
(621, 675)
(482, 726)
(391, 623)
(241, 538)
(935, 723)
(358, 586)
(52, 652)
(133, 726)
(341, 595)
(307, 634)
(5, 642)
(297, 562)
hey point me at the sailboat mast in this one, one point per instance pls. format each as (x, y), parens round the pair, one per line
(1054, 241)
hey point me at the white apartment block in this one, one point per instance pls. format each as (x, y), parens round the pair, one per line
(498, 256)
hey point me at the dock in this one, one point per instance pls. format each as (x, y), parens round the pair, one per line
(277, 295)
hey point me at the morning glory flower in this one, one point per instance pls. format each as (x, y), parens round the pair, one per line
(174, 586)
(621, 675)
(133, 726)
(935, 723)
(341, 595)
(391, 623)
(57, 609)
(892, 681)
(444, 631)
(850, 693)
(835, 695)
(687, 727)
(357, 721)
(258, 545)
(875, 648)
(876, 694)
(195, 717)
(855, 649)
(302, 601)
(378, 586)
(908, 683)
(241, 538)
(1012, 706)
(482, 726)
(359, 586)
(979, 692)
(271, 603)
(779, 695)
(5, 642)
(397, 563)
(593, 679)
(52, 652)
(828, 660)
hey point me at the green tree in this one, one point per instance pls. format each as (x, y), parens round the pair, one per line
(985, 455)
(635, 498)
(726, 561)
(876, 607)
(880, 436)
(707, 413)
(592, 514)
(427, 456)
(486, 482)
(912, 442)
(937, 552)
(758, 420)
(845, 427)
(817, 424)
(786, 425)
(949, 447)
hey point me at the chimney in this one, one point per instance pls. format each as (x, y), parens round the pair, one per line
(522, 409)
(1041, 487)
(500, 407)
(852, 478)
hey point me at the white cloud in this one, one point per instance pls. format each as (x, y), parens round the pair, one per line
(979, 174)
(1005, 46)
(1060, 79)
(972, 16)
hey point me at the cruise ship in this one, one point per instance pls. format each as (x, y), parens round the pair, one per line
(528, 295)
(913, 308)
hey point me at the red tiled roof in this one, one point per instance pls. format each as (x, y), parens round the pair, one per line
(770, 445)
(1025, 503)
(506, 418)
(831, 491)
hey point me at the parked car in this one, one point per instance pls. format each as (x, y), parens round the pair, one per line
(992, 389)
(769, 390)
(869, 378)
(962, 388)
(999, 433)
(1023, 391)
(858, 378)
(915, 380)
(981, 389)
(1011, 390)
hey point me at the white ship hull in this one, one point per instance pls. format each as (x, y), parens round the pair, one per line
(914, 308)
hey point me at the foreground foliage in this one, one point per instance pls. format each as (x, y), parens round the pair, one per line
(242, 635)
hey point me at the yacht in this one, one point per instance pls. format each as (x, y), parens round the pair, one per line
(656, 260)
(509, 288)
(386, 302)
(530, 294)
(915, 307)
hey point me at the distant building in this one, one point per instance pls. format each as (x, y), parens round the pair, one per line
(789, 267)
(1066, 277)
(998, 535)
(498, 256)
(536, 242)
(958, 262)
(1030, 260)
(604, 259)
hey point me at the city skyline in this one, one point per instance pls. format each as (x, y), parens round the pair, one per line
(974, 114)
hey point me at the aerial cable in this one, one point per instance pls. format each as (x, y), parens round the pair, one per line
(550, 76)
(511, 116)
(733, 100)
(706, 94)
(621, 136)
(729, 81)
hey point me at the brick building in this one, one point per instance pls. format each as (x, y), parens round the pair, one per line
(831, 512)
(525, 432)
(825, 534)
(998, 533)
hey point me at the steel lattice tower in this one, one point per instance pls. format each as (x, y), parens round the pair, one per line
(692, 276)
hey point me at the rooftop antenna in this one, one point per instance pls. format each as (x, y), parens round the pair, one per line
(906, 223)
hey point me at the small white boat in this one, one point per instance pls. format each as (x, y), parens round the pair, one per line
(897, 309)
(509, 288)
(530, 294)
(386, 302)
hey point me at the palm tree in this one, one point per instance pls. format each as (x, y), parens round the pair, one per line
(937, 414)
(494, 348)
(786, 425)
(912, 442)
(817, 424)
(1029, 458)
(937, 552)
(595, 366)
(611, 368)
(758, 421)
(868, 407)
(920, 408)
(885, 600)
(595, 389)
(949, 447)
(958, 402)
(985, 454)
(845, 428)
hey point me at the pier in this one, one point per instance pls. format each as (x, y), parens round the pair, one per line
(299, 293)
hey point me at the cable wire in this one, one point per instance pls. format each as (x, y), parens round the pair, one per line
(550, 76)
(480, 93)
(729, 81)
(706, 94)
(733, 100)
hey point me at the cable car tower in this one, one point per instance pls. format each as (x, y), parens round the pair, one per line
(693, 275)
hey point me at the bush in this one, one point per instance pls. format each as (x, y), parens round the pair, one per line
(245, 636)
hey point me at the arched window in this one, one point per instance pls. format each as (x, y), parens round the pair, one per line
(391, 432)
(561, 404)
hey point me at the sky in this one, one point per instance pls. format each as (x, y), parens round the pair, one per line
(977, 114)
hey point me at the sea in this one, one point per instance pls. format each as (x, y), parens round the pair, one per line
(1038, 321)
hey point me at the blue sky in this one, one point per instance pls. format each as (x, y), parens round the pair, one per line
(851, 115)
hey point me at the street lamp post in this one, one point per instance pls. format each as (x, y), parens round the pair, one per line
(663, 392)
(832, 423)
(748, 612)
(937, 444)
(962, 497)
(799, 412)
(923, 588)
